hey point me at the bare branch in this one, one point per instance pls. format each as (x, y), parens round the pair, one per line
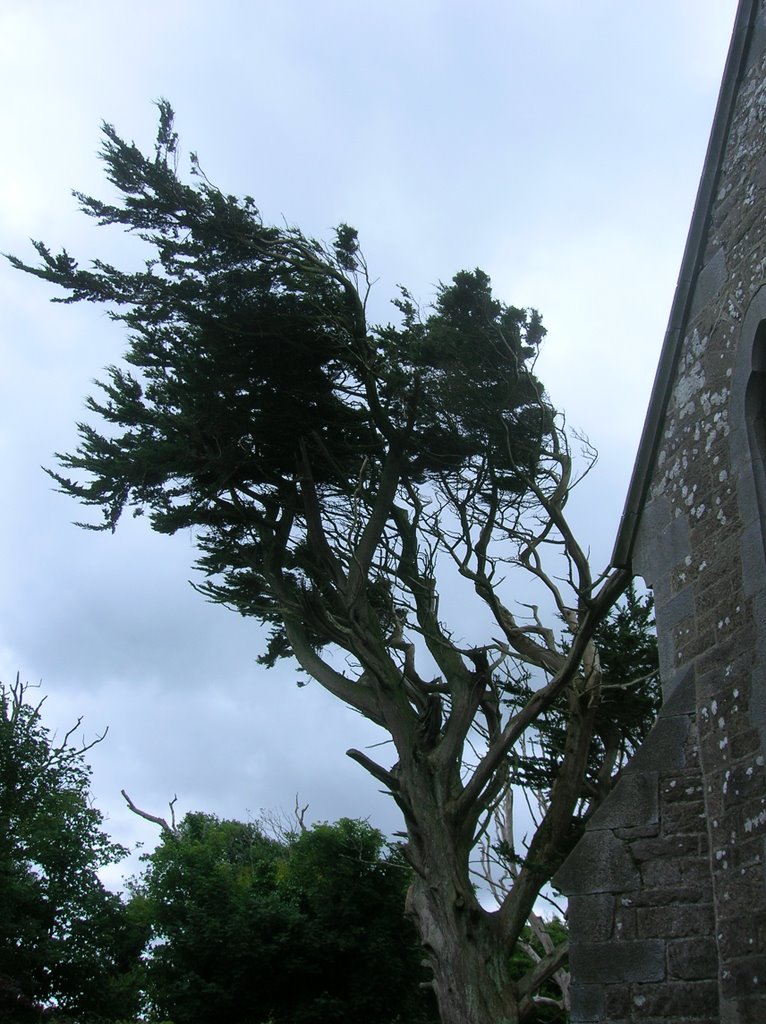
(376, 770)
(544, 697)
(171, 830)
(300, 814)
(543, 970)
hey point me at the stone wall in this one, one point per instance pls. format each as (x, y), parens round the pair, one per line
(668, 887)
(640, 896)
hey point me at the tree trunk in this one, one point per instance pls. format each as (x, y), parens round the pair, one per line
(469, 959)
(466, 946)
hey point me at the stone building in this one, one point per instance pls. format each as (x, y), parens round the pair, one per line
(667, 889)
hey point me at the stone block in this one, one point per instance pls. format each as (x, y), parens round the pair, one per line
(616, 1002)
(663, 748)
(674, 896)
(599, 863)
(677, 609)
(710, 280)
(739, 891)
(722, 577)
(712, 664)
(695, 871)
(605, 962)
(671, 871)
(686, 845)
(758, 710)
(625, 926)
(638, 832)
(682, 922)
(667, 651)
(679, 999)
(687, 643)
(681, 787)
(693, 959)
(684, 817)
(591, 916)
(661, 542)
(660, 874)
(632, 802)
(681, 699)
(587, 1003)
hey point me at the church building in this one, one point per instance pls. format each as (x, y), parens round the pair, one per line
(667, 888)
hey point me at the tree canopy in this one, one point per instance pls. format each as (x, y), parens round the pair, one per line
(339, 477)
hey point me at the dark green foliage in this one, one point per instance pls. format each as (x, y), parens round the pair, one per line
(63, 937)
(351, 886)
(630, 698)
(631, 693)
(255, 388)
(221, 932)
(475, 392)
(304, 930)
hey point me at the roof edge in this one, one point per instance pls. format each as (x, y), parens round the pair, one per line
(744, 22)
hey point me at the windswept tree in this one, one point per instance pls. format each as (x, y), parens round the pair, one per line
(339, 477)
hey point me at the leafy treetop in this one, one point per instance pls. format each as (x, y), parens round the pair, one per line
(257, 391)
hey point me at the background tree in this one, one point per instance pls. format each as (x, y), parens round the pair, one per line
(351, 885)
(65, 941)
(332, 472)
(305, 929)
(535, 944)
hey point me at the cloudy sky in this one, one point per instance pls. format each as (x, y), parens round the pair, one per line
(555, 143)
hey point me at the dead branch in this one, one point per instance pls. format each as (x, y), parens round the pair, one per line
(300, 814)
(170, 829)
